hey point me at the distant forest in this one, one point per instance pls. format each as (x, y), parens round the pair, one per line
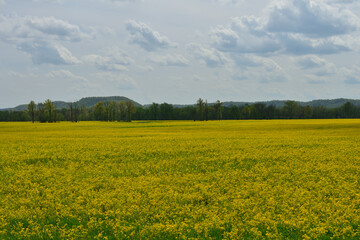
(127, 110)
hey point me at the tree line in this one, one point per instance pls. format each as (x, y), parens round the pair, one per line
(201, 111)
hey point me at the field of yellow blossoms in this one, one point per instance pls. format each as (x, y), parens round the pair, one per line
(276, 179)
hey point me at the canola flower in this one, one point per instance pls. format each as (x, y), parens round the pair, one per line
(278, 179)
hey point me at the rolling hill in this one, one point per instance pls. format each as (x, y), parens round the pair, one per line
(87, 102)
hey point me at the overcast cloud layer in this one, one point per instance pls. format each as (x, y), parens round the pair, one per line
(178, 51)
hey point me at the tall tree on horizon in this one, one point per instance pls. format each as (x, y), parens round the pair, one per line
(291, 109)
(130, 109)
(154, 111)
(122, 111)
(99, 111)
(206, 110)
(111, 110)
(32, 109)
(200, 109)
(71, 111)
(49, 108)
(77, 111)
(41, 112)
(165, 111)
(218, 109)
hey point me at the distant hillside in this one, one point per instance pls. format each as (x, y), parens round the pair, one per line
(84, 102)
(328, 103)
(91, 101)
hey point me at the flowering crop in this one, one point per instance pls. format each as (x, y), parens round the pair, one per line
(278, 179)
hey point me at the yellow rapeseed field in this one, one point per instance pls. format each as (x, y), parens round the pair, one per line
(276, 179)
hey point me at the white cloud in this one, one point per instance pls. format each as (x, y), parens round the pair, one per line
(115, 81)
(352, 80)
(65, 81)
(39, 37)
(196, 78)
(117, 2)
(2, 2)
(311, 61)
(311, 18)
(67, 75)
(252, 61)
(229, 2)
(210, 56)
(299, 45)
(260, 75)
(350, 75)
(259, 69)
(147, 38)
(146, 68)
(15, 28)
(316, 66)
(341, 1)
(293, 27)
(42, 52)
(121, 1)
(104, 63)
(170, 60)
(51, 1)
(113, 59)
(244, 35)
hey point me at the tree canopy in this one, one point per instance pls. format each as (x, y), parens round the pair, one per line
(200, 111)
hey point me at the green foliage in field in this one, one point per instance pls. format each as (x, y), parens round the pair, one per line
(295, 179)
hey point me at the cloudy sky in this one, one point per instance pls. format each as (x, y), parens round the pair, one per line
(178, 51)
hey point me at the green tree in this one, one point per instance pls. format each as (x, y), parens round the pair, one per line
(41, 112)
(308, 111)
(245, 112)
(49, 109)
(206, 110)
(55, 115)
(154, 111)
(291, 109)
(218, 109)
(122, 111)
(130, 109)
(270, 112)
(71, 111)
(32, 109)
(200, 109)
(99, 111)
(77, 112)
(348, 110)
(234, 112)
(165, 111)
(257, 111)
(111, 111)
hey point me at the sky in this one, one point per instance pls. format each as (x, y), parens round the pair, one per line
(179, 51)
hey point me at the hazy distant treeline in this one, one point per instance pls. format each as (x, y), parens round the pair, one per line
(201, 111)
